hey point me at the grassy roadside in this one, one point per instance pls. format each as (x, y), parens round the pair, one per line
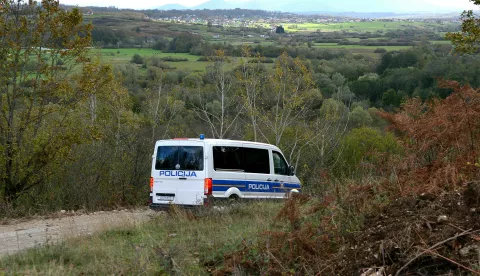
(177, 243)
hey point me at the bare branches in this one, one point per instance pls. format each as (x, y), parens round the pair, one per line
(464, 233)
(222, 111)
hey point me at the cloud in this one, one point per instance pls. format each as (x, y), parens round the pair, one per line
(457, 4)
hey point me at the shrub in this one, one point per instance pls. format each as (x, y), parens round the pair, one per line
(137, 59)
(364, 150)
(174, 59)
(441, 138)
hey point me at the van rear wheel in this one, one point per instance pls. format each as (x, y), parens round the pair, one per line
(234, 197)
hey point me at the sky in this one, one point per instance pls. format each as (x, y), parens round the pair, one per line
(148, 4)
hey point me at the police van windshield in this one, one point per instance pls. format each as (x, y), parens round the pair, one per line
(189, 158)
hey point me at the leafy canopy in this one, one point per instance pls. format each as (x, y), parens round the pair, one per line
(468, 39)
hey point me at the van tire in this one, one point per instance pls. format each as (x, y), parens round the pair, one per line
(234, 197)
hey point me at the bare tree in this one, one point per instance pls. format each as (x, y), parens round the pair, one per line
(251, 79)
(161, 105)
(223, 111)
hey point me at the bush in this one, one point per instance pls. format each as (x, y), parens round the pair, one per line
(359, 117)
(137, 59)
(380, 51)
(441, 138)
(364, 150)
(174, 59)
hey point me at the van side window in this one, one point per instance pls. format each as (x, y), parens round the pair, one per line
(256, 160)
(188, 158)
(279, 164)
(228, 159)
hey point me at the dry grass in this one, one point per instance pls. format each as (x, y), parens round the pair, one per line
(176, 243)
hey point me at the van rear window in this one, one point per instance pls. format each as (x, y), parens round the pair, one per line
(185, 158)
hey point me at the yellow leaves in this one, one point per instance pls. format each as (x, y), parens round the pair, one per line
(95, 79)
(292, 81)
(220, 53)
(474, 165)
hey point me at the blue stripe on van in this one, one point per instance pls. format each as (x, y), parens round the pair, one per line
(256, 186)
(224, 185)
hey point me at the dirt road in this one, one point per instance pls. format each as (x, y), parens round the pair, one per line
(22, 235)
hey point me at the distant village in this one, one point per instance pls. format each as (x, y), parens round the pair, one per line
(241, 21)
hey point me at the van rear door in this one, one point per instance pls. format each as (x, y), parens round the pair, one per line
(179, 172)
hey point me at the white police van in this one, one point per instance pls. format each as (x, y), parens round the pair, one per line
(190, 172)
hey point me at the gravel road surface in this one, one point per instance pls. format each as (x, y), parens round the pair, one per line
(17, 236)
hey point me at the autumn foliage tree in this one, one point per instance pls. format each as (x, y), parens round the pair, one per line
(40, 43)
(441, 139)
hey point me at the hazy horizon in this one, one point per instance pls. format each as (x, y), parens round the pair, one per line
(290, 5)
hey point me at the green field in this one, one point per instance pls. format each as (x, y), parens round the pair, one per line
(124, 55)
(372, 26)
(350, 47)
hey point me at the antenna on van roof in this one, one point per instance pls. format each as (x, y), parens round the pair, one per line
(202, 136)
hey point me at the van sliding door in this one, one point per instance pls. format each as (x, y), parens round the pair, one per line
(257, 172)
(228, 170)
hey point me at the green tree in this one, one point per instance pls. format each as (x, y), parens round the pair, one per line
(360, 117)
(160, 44)
(35, 106)
(333, 110)
(289, 99)
(193, 80)
(137, 59)
(468, 39)
(390, 98)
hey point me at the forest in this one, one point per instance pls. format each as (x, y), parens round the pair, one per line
(373, 132)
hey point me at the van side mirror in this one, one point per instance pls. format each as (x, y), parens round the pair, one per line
(291, 170)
